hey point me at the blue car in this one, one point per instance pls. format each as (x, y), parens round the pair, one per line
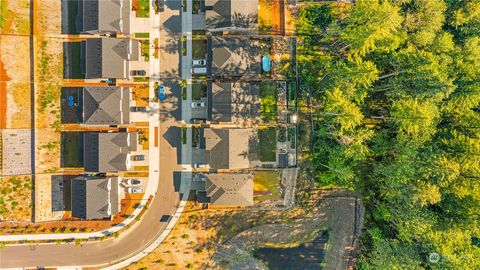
(161, 93)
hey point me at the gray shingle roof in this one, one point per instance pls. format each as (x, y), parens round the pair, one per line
(234, 102)
(229, 189)
(106, 105)
(95, 197)
(232, 14)
(108, 152)
(109, 57)
(234, 56)
(228, 148)
(112, 16)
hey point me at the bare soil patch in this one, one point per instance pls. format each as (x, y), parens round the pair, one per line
(16, 198)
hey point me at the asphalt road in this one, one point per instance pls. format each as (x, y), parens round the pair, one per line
(165, 202)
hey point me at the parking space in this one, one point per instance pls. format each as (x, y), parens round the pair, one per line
(137, 185)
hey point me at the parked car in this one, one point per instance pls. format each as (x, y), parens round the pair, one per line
(135, 190)
(199, 71)
(198, 104)
(138, 157)
(133, 182)
(138, 109)
(138, 72)
(198, 121)
(109, 81)
(199, 165)
(161, 93)
(199, 62)
(160, 5)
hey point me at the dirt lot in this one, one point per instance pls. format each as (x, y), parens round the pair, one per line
(48, 77)
(15, 198)
(15, 73)
(193, 242)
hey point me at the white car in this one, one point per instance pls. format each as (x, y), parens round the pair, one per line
(199, 165)
(199, 62)
(133, 182)
(134, 190)
(198, 104)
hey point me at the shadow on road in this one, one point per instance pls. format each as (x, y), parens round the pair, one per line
(174, 137)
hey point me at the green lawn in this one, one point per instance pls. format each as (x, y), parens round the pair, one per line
(145, 48)
(199, 90)
(199, 49)
(143, 9)
(71, 149)
(72, 8)
(266, 185)
(267, 144)
(268, 101)
(72, 65)
(142, 35)
(3, 12)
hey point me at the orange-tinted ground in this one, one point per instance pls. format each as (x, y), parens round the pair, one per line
(3, 94)
(270, 17)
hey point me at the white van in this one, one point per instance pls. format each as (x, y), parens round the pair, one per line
(199, 71)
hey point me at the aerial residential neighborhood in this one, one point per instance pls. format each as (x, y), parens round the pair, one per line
(239, 134)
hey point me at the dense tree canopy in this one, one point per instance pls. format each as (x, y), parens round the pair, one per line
(399, 86)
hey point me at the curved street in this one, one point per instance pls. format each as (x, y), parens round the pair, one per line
(167, 198)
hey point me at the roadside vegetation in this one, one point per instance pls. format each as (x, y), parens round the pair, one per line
(395, 95)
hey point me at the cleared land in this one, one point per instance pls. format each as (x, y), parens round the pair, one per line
(200, 232)
(266, 185)
(16, 198)
(14, 67)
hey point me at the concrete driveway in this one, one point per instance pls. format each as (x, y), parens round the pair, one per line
(144, 232)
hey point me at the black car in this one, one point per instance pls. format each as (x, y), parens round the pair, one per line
(138, 72)
(198, 121)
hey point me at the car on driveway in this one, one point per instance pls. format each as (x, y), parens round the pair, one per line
(135, 190)
(198, 104)
(199, 62)
(199, 71)
(159, 4)
(138, 157)
(139, 72)
(161, 93)
(138, 109)
(199, 165)
(133, 182)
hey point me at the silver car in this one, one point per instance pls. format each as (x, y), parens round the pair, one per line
(135, 190)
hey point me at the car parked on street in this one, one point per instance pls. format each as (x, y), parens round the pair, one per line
(198, 104)
(135, 190)
(199, 62)
(161, 93)
(133, 182)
